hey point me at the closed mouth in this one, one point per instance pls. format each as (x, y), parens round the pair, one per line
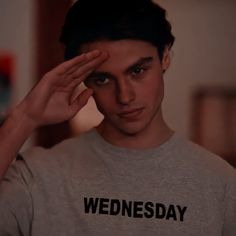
(130, 114)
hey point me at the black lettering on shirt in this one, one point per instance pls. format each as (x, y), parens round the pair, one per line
(135, 209)
(138, 210)
(114, 207)
(149, 210)
(126, 208)
(181, 212)
(90, 204)
(171, 213)
(160, 211)
(103, 206)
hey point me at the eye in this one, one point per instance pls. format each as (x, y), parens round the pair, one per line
(101, 80)
(137, 70)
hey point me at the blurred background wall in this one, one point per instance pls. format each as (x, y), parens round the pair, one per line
(203, 55)
(17, 40)
(17, 37)
(200, 101)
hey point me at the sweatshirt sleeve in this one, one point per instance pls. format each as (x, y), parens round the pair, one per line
(230, 208)
(15, 201)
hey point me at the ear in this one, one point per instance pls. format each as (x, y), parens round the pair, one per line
(165, 63)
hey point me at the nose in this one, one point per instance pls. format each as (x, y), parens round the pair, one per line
(125, 92)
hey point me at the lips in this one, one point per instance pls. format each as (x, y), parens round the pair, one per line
(130, 114)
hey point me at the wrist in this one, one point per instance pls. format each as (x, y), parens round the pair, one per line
(22, 121)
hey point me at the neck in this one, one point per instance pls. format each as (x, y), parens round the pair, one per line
(152, 136)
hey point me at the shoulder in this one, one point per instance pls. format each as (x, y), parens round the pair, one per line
(63, 150)
(202, 161)
(40, 167)
(53, 161)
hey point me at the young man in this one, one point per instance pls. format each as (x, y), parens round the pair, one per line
(131, 175)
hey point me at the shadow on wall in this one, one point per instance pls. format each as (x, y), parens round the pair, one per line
(214, 121)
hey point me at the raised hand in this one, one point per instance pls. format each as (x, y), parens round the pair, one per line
(53, 99)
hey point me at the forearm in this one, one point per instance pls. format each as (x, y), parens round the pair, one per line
(13, 133)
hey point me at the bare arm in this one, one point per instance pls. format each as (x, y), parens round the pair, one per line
(52, 100)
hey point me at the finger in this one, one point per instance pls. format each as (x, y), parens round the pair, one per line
(77, 81)
(81, 100)
(73, 73)
(88, 57)
(89, 66)
(56, 75)
(82, 72)
(68, 65)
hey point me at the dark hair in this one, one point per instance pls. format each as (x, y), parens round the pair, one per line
(93, 20)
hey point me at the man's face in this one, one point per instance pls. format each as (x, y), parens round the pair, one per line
(128, 86)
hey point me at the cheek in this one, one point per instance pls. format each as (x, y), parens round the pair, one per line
(153, 89)
(158, 90)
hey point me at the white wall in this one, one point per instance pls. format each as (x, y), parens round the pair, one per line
(204, 53)
(17, 38)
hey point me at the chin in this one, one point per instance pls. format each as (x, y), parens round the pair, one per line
(132, 129)
(126, 128)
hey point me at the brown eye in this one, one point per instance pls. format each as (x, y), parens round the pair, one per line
(137, 71)
(101, 80)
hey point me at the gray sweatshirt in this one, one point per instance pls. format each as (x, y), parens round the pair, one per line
(86, 186)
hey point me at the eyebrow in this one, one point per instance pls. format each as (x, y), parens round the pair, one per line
(141, 61)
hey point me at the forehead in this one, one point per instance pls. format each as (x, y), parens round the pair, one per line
(122, 53)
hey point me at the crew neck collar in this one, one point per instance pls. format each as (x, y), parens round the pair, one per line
(99, 143)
